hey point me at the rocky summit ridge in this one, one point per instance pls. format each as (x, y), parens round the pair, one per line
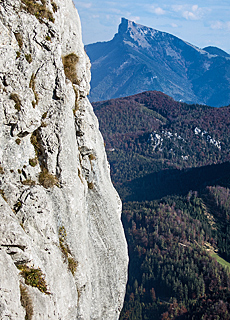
(140, 59)
(63, 253)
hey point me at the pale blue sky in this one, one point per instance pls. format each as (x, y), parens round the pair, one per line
(201, 23)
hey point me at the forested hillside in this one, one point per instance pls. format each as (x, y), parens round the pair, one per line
(170, 163)
(150, 132)
(172, 273)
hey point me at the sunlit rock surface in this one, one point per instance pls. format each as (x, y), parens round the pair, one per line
(59, 211)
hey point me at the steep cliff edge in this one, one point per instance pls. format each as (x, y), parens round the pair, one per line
(63, 253)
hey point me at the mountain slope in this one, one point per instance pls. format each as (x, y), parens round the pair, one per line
(139, 59)
(150, 132)
(179, 245)
(216, 51)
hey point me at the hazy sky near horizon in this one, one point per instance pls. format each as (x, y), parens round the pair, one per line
(202, 23)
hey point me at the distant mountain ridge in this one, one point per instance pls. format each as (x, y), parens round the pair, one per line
(170, 163)
(150, 135)
(140, 59)
(216, 51)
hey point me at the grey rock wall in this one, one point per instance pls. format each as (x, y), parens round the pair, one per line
(60, 215)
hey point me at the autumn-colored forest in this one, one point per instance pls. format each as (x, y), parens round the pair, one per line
(170, 164)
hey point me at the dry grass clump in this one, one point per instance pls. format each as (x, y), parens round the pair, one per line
(72, 263)
(18, 141)
(34, 139)
(90, 185)
(26, 302)
(18, 54)
(55, 7)
(16, 99)
(18, 37)
(62, 242)
(70, 63)
(3, 194)
(92, 157)
(40, 11)
(44, 115)
(33, 277)
(33, 162)
(28, 58)
(29, 182)
(32, 86)
(47, 179)
(1, 170)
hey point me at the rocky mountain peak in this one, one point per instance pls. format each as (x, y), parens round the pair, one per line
(140, 59)
(136, 33)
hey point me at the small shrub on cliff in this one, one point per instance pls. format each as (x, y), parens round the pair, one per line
(33, 277)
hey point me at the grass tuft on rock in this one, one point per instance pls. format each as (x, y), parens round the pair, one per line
(33, 162)
(19, 39)
(90, 185)
(72, 263)
(28, 58)
(18, 141)
(32, 86)
(47, 179)
(40, 11)
(2, 193)
(29, 182)
(70, 62)
(55, 7)
(1, 170)
(33, 277)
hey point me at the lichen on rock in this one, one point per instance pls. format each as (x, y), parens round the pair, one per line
(54, 173)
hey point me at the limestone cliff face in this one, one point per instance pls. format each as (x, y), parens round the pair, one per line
(63, 252)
